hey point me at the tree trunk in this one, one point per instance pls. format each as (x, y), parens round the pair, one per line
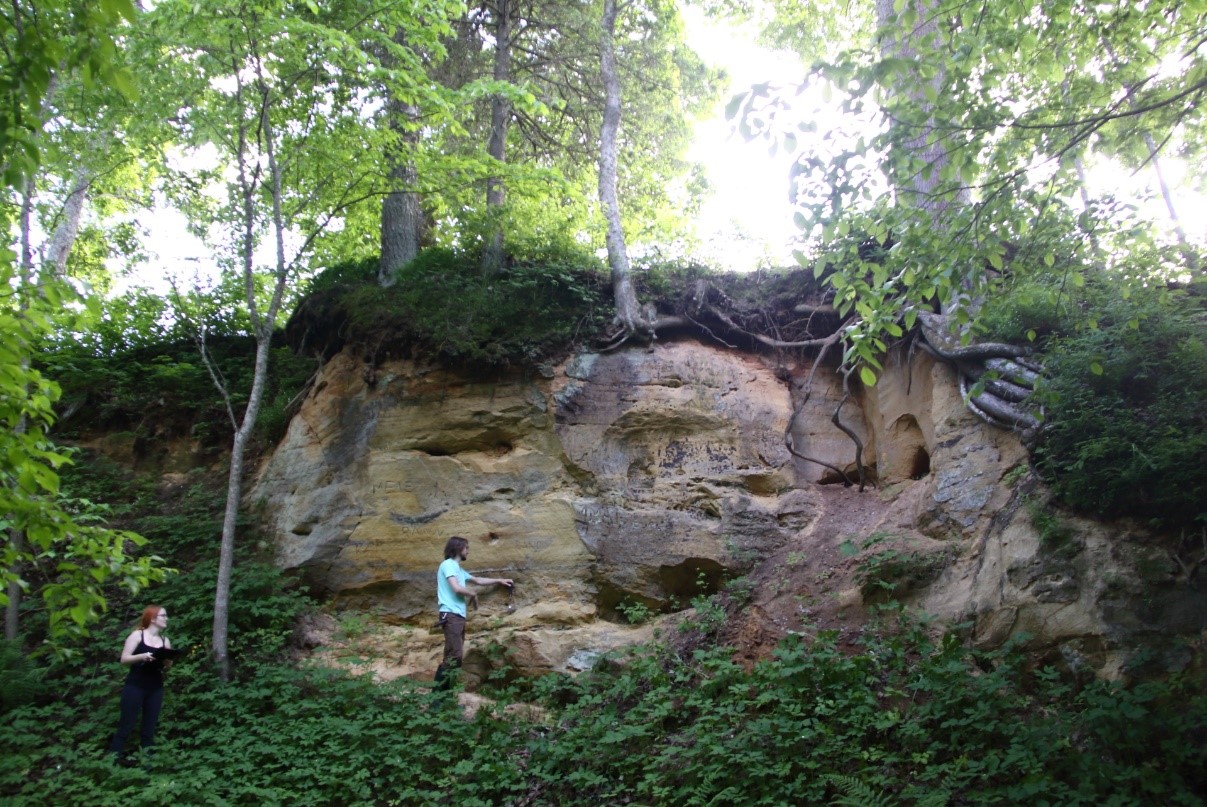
(1154, 156)
(262, 327)
(500, 118)
(401, 223)
(57, 251)
(234, 493)
(922, 143)
(59, 248)
(61, 242)
(401, 210)
(628, 311)
(921, 153)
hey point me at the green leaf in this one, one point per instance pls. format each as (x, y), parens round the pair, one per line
(81, 613)
(1096, 368)
(867, 376)
(123, 81)
(124, 8)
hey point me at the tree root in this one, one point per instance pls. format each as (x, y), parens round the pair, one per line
(1006, 376)
(846, 395)
(806, 391)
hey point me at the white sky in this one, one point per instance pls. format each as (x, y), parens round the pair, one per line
(748, 221)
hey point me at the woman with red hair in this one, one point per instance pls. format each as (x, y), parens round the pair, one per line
(143, 690)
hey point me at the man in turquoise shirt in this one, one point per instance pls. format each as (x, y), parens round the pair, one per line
(452, 596)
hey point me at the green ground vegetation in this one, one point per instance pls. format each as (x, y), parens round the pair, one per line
(156, 390)
(443, 306)
(907, 718)
(1124, 394)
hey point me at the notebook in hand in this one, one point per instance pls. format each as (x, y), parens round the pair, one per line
(166, 653)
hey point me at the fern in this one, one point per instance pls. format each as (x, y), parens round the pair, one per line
(938, 798)
(857, 793)
(19, 680)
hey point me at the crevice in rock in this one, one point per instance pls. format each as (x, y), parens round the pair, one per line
(919, 465)
(692, 578)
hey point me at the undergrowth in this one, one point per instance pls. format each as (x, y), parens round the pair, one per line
(155, 391)
(535, 307)
(1126, 404)
(908, 719)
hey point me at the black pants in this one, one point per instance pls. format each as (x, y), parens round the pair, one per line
(135, 699)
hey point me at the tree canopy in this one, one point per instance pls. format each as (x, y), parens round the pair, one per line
(998, 107)
(53, 545)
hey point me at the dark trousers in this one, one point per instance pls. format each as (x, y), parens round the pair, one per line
(135, 699)
(454, 647)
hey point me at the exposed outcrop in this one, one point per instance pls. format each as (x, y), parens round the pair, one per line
(641, 478)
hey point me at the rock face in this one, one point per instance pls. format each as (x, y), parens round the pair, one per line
(631, 482)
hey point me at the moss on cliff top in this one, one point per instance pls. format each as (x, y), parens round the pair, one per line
(536, 309)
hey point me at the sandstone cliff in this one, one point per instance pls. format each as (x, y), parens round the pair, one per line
(642, 478)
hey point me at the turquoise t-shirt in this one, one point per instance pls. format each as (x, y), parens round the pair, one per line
(448, 599)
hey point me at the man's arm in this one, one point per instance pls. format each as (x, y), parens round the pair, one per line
(456, 586)
(461, 591)
(491, 581)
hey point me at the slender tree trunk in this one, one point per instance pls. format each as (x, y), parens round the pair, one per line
(61, 242)
(1154, 156)
(628, 310)
(401, 210)
(262, 327)
(234, 494)
(1084, 192)
(16, 538)
(500, 118)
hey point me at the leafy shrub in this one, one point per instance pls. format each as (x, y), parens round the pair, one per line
(910, 720)
(1126, 408)
(1028, 311)
(166, 391)
(634, 611)
(20, 680)
(344, 275)
(533, 308)
(890, 572)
